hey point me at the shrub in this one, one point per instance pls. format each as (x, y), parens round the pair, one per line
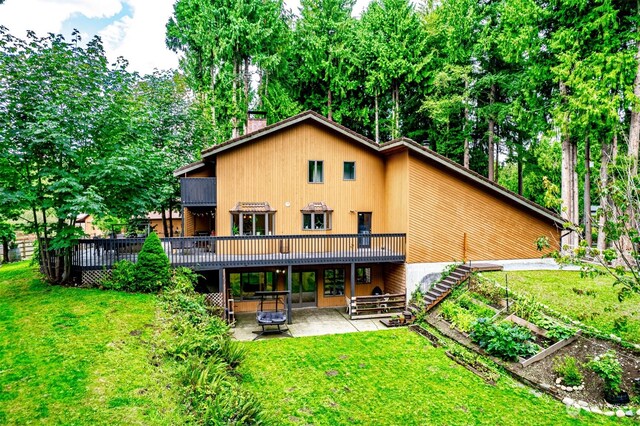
(608, 368)
(504, 340)
(122, 277)
(153, 270)
(568, 369)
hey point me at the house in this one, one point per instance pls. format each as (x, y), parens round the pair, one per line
(153, 220)
(309, 205)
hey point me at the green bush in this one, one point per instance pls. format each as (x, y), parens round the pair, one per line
(569, 370)
(609, 369)
(122, 277)
(505, 340)
(153, 270)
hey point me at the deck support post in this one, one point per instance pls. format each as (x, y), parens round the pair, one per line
(289, 287)
(353, 280)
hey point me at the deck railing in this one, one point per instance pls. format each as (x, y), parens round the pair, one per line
(198, 191)
(222, 252)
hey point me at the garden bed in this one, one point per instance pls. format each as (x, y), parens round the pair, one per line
(540, 373)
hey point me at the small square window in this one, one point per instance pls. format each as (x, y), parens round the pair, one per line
(349, 170)
(316, 172)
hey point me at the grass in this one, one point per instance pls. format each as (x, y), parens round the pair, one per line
(78, 356)
(597, 306)
(387, 378)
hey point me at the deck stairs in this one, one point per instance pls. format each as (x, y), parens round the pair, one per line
(443, 288)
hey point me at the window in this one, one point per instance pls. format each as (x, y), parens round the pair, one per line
(316, 174)
(316, 221)
(363, 275)
(252, 219)
(334, 282)
(349, 170)
(316, 216)
(244, 285)
(252, 224)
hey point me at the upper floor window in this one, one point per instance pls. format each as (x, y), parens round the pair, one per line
(316, 171)
(349, 170)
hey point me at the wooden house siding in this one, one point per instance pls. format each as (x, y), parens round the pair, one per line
(451, 218)
(188, 221)
(274, 169)
(394, 279)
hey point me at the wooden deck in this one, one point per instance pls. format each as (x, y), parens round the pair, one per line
(202, 253)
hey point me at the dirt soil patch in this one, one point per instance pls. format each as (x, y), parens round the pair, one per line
(540, 374)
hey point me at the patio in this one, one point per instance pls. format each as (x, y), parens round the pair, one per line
(306, 322)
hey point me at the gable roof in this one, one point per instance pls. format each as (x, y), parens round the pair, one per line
(304, 116)
(384, 148)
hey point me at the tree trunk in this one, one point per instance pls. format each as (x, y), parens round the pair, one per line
(170, 219)
(164, 222)
(490, 147)
(329, 115)
(587, 192)
(605, 202)
(377, 119)
(634, 126)
(490, 151)
(466, 157)
(568, 179)
(5, 250)
(213, 95)
(234, 96)
(246, 94)
(396, 123)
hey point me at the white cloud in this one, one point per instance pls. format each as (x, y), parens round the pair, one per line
(140, 38)
(44, 16)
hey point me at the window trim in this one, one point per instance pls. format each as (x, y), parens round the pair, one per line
(354, 171)
(327, 221)
(315, 166)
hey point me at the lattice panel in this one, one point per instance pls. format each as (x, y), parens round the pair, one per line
(215, 299)
(94, 277)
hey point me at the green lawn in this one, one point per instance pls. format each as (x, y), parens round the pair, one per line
(387, 378)
(601, 309)
(77, 356)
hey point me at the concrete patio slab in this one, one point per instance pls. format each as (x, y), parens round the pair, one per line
(306, 322)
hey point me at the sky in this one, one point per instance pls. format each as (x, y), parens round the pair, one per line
(133, 29)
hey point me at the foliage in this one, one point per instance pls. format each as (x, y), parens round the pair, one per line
(153, 269)
(525, 307)
(505, 340)
(555, 290)
(608, 368)
(487, 288)
(569, 369)
(459, 317)
(123, 277)
(82, 356)
(203, 346)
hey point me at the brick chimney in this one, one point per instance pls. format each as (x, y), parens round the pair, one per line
(256, 120)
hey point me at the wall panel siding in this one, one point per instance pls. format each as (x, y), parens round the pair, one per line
(443, 208)
(274, 169)
(188, 222)
(394, 279)
(396, 192)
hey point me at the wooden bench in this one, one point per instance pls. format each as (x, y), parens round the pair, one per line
(380, 306)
